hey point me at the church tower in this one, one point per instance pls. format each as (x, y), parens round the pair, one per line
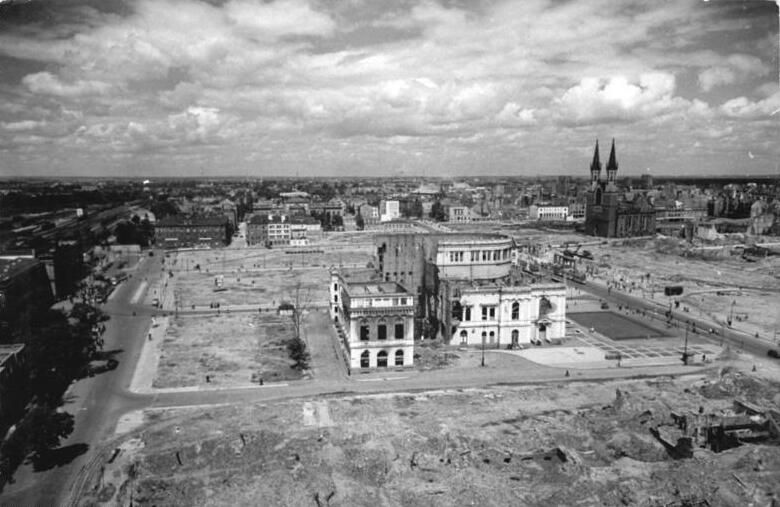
(595, 168)
(612, 165)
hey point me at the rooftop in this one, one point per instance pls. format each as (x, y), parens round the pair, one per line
(191, 220)
(374, 288)
(10, 267)
(9, 350)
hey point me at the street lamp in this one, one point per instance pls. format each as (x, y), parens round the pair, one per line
(483, 349)
(685, 347)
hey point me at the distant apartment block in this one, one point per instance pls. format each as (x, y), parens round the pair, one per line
(544, 213)
(281, 230)
(199, 231)
(25, 293)
(369, 213)
(389, 210)
(332, 208)
(459, 214)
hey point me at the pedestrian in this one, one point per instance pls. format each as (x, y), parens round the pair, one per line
(567, 373)
(208, 379)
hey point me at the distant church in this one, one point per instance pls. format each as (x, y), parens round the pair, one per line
(610, 213)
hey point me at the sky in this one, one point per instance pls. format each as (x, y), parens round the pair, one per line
(387, 87)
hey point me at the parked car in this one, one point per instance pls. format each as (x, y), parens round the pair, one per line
(773, 353)
(605, 306)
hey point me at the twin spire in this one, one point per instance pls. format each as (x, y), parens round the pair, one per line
(612, 165)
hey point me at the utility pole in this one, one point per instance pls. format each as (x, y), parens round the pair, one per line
(685, 347)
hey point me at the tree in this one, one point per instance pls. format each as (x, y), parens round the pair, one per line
(359, 222)
(297, 346)
(437, 211)
(44, 427)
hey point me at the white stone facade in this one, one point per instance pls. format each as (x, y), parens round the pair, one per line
(376, 320)
(507, 316)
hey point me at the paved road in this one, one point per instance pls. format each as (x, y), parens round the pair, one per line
(96, 402)
(737, 339)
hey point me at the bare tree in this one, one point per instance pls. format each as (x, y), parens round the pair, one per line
(297, 346)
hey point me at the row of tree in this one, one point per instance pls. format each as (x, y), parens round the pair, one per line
(59, 347)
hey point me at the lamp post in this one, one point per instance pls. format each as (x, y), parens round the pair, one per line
(685, 347)
(483, 349)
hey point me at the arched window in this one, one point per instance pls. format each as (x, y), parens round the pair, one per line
(381, 359)
(598, 196)
(464, 336)
(515, 311)
(399, 357)
(364, 359)
(492, 337)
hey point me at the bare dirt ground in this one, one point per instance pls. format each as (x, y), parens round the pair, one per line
(256, 276)
(258, 288)
(228, 348)
(563, 444)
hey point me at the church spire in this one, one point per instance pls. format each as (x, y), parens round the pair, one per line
(612, 165)
(595, 166)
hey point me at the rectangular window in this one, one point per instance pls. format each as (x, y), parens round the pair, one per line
(492, 312)
(485, 255)
(364, 333)
(399, 331)
(496, 255)
(475, 256)
(381, 332)
(484, 313)
(467, 313)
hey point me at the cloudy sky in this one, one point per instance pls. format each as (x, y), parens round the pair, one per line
(386, 87)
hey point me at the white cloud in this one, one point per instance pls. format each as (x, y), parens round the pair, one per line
(49, 84)
(277, 19)
(744, 108)
(18, 126)
(596, 100)
(735, 68)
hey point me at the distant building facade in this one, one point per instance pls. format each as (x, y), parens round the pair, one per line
(610, 213)
(545, 213)
(25, 293)
(389, 210)
(200, 231)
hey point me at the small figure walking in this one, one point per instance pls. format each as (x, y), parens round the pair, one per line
(208, 379)
(567, 373)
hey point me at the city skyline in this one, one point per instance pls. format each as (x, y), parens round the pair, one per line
(244, 88)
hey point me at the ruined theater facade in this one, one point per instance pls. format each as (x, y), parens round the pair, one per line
(376, 322)
(468, 289)
(506, 315)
